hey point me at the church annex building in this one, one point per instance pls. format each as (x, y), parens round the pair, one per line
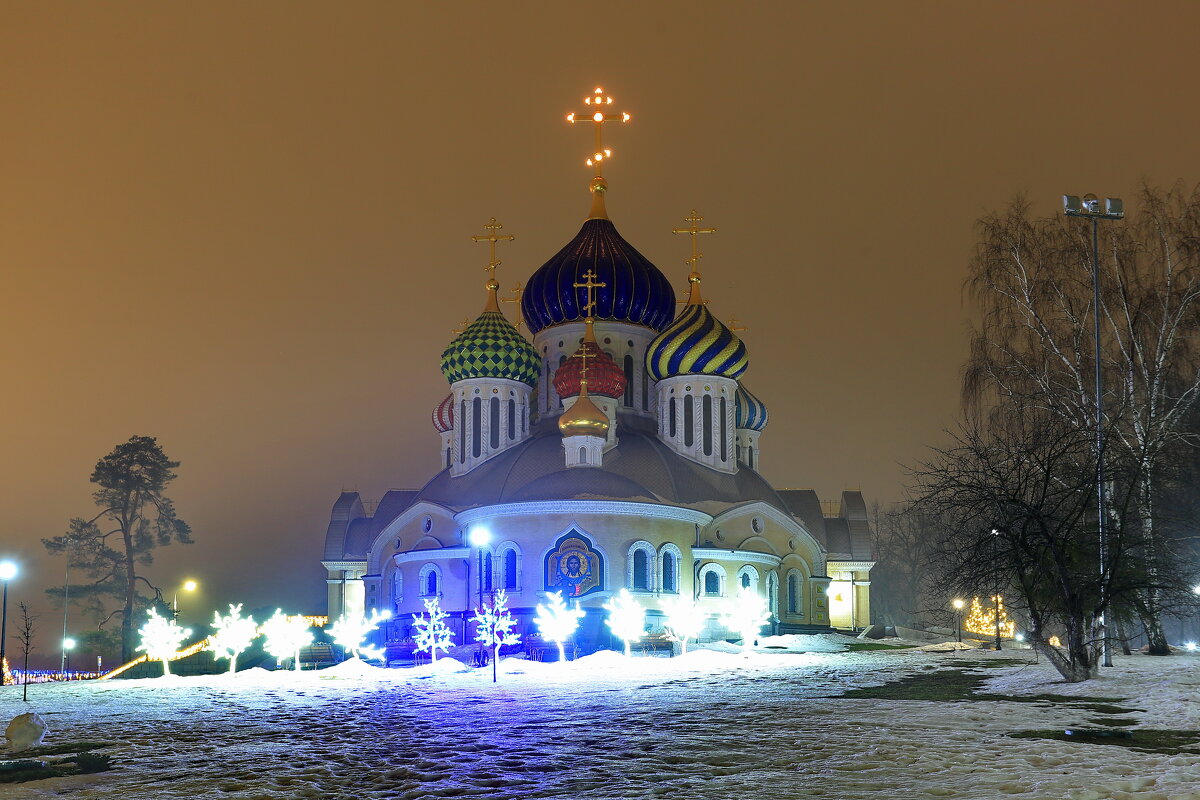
(617, 449)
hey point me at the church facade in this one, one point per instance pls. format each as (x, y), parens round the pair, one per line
(617, 449)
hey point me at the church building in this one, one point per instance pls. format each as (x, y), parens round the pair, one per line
(619, 449)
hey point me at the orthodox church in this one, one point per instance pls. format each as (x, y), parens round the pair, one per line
(619, 449)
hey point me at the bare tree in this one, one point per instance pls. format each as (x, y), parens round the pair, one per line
(903, 545)
(1032, 280)
(25, 633)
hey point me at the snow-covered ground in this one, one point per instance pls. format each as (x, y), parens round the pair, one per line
(712, 724)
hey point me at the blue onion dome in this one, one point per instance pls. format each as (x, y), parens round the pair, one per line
(632, 288)
(748, 410)
(696, 343)
(491, 347)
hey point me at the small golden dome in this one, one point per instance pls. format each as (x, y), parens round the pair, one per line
(583, 418)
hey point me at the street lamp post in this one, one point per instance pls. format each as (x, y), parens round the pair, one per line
(958, 607)
(68, 644)
(188, 586)
(1089, 208)
(479, 539)
(8, 571)
(996, 540)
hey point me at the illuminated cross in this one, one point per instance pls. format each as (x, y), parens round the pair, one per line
(589, 284)
(695, 230)
(735, 327)
(491, 238)
(465, 324)
(517, 292)
(597, 113)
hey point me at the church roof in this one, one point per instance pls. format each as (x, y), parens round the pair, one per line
(631, 288)
(491, 347)
(748, 411)
(696, 343)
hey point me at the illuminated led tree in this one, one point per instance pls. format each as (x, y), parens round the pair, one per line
(430, 630)
(161, 639)
(494, 627)
(685, 620)
(232, 634)
(626, 618)
(557, 621)
(350, 633)
(982, 620)
(285, 636)
(746, 614)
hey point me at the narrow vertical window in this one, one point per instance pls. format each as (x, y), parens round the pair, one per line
(476, 427)
(512, 419)
(668, 569)
(671, 416)
(640, 569)
(724, 444)
(706, 412)
(485, 579)
(447, 458)
(645, 391)
(461, 427)
(792, 595)
(583, 455)
(431, 587)
(628, 382)
(688, 433)
(712, 583)
(510, 569)
(494, 422)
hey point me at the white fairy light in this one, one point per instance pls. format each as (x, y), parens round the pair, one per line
(349, 633)
(556, 621)
(626, 618)
(685, 620)
(746, 614)
(285, 636)
(232, 634)
(494, 627)
(161, 639)
(431, 632)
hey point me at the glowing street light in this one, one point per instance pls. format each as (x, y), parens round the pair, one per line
(188, 586)
(68, 644)
(958, 607)
(8, 571)
(1089, 208)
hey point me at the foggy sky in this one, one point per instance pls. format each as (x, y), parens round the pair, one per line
(244, 228)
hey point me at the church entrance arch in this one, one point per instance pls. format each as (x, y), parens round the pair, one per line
(574, 566)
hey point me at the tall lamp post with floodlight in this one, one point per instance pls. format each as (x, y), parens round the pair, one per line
(479, 539)
(188, 586)
(1089, 208)
(958, 607)
(68, 644)
(8, 571)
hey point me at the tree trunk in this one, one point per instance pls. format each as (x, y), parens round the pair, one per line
(1148, 611)
(130, 594)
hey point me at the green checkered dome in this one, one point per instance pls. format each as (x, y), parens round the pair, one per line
(491, 347)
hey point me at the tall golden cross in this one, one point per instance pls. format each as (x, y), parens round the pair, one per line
(589, 283)
(466, 323)
(598, 111)
(491, 238)
(734, 326)
(695, 230)
(517, 292)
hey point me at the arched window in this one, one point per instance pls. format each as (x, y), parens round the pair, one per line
(628, 382)
(645, 391)
(688, 433)
(745, 579)
(583, 455)
(494, 422)
(510, 569)
(447, 458)
(641, 571)
(461, 429)
(485, 577)
(430, 581)
(476, 427)
(397, 587)
(793, 592)
(706, 412)
(671, 416)
(669, 559)
(641, 567)
(512, 419)
(724, 444)
(712, 583)
(712, 580)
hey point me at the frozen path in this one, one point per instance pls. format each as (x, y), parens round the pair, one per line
(712, 725)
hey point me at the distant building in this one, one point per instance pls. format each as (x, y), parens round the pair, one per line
(618, 449)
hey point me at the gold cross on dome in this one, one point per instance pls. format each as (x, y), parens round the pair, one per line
(735, 325)
(465, 324)
(517, 292)
(695, 230)
(589, 283)
(598, 111)
(491, 238)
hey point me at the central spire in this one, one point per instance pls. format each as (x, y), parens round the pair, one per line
(598, 112)
(694, 219)
(491, 237)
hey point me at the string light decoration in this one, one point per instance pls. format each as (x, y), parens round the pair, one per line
(982, 619)
(350, 633)
(626, 618)
(556, 621)
(746, 614)
(685, 620)
(494, 627)
(161, 638)
(232, 634)
(430, 630)
(285, 636)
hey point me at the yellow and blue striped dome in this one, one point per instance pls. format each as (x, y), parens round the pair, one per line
(696, 343)
(491, 347)
(748, 410)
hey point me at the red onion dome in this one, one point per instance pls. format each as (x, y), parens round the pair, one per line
(443, 415)
(604, 377)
